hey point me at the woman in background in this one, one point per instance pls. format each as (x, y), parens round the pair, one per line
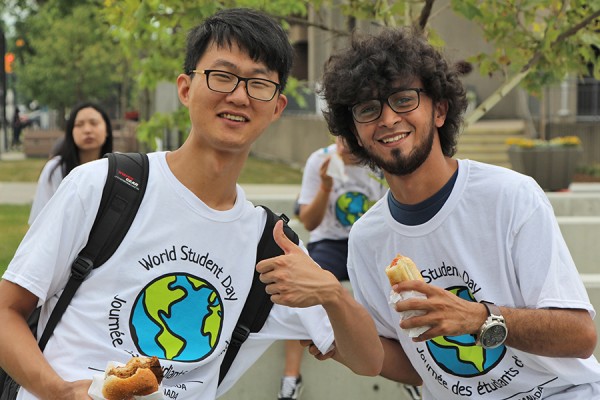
(88, 136)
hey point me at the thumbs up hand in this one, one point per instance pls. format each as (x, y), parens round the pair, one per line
(294, 279)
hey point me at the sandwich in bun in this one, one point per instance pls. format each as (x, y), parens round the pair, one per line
(141, 376)
(402, 269)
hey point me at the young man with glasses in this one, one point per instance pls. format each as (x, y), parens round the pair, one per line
(177, 284)
(505, 313)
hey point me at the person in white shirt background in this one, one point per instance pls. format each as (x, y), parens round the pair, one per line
(336, 191)
(88, 137)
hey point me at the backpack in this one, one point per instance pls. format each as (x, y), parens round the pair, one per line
(121, 197)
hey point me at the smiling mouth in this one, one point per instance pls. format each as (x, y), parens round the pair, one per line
(394, 138)
(231, 117)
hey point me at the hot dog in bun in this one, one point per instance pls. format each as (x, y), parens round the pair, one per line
(141, 376)
(402, 269)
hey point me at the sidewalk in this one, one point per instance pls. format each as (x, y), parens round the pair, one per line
(12, 155)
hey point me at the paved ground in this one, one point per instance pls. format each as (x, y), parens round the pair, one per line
(22, 193)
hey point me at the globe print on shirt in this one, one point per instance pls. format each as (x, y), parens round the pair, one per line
(177, 317)
(350, 206)
(460, 355)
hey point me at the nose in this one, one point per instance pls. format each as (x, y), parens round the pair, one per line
(239, 94)
(388, 117)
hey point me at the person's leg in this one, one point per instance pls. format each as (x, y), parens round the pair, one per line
(293, 358)
(291, 382)
(330, 255)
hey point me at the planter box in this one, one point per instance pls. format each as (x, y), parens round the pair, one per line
(552, 167)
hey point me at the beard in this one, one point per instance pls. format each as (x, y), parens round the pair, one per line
(401, 164)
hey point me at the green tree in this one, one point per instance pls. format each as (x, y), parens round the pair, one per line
(537, 42)
(69, 55)
(554, 37)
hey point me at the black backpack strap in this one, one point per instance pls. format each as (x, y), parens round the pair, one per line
(121, 198)
(258, 303)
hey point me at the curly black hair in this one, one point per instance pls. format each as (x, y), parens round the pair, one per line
(372, 64)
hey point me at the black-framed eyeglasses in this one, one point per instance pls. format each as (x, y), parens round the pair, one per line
(227, 82)
(401, 101)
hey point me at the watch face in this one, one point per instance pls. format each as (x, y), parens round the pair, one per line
(494, 336)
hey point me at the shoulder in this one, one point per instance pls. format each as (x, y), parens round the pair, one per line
(372, 219)
(322, 153)
(51, 170)
(87, 179)
(493, 176)
(499, 184)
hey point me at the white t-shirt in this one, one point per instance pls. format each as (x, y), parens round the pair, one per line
(348, 200)
(496, 238)
(174, 288)
(48, 182)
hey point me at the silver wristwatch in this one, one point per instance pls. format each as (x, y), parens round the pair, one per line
(493, 332)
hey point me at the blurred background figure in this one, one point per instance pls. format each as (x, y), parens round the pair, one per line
(336, 191)
(88, 136)
(17, 128)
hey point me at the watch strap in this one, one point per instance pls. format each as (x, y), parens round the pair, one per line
(492, 309)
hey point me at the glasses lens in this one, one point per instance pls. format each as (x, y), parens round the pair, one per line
(367, 111)
(221, 81)
(261, 89)
(225, 82)
(404, 100)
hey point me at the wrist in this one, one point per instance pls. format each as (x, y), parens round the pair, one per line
(326, 189)
(481, 317)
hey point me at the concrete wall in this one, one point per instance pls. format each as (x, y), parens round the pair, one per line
(293, 138)
(322, 380)
(578, 215)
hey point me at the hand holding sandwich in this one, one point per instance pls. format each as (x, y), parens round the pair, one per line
(445, 313)
(428, 311)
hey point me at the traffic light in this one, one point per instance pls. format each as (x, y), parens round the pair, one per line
(8, 60)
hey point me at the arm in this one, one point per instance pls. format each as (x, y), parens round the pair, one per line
(396, 365)
(312, 214)
(20, 355)
(545, 332)
(295, 280)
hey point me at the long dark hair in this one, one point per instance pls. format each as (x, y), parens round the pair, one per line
(68, 151)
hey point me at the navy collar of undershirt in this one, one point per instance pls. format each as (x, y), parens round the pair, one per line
(417, 214)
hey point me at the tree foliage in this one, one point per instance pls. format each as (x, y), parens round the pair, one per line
(67, 55)
(535, 42)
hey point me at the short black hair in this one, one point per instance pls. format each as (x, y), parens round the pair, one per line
(253, 31)
(372, 63)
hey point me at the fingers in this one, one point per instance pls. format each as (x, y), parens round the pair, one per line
(282, 240)
(315, 352)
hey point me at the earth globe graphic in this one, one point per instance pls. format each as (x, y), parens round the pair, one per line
(459, 355)
(350, 206)
(177, 317)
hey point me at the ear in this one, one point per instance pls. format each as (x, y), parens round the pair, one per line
(280, 103)
(184, 82)
(439, 113)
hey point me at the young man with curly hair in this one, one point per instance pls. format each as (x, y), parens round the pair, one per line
(505, 314)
